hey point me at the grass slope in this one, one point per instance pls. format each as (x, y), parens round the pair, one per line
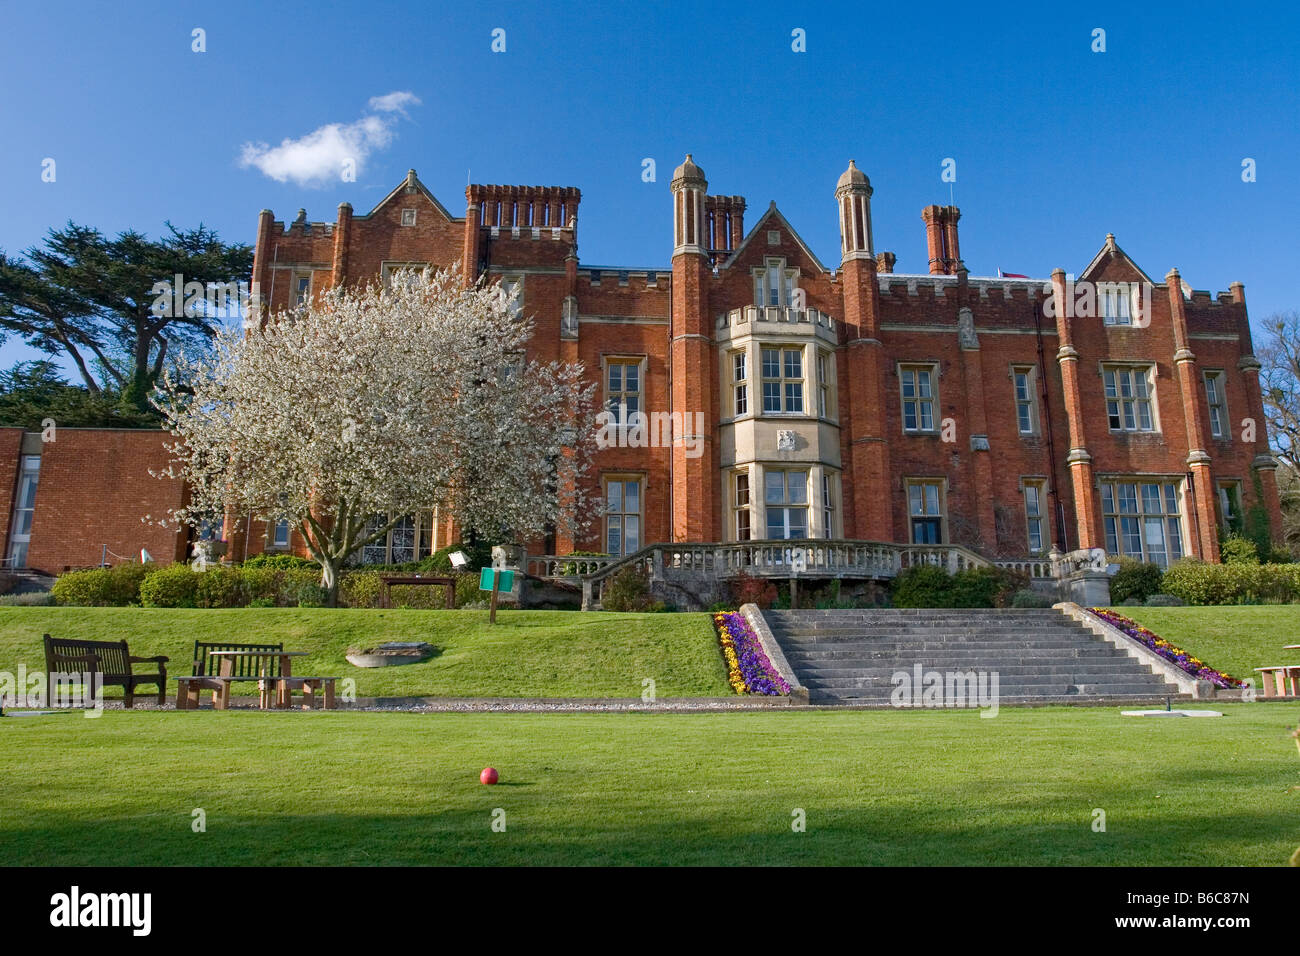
(1235, 640)
(526, 654)
(928, 787)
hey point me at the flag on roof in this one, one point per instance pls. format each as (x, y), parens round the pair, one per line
(1010, 275)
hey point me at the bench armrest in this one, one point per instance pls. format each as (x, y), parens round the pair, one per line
(144, 660)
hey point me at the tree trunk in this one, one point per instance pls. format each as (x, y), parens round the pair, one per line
(329, 581)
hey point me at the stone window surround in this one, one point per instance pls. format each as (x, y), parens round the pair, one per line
(621, 358)
(1044, 516)
(1180, 483)
(940, 480)
(1152, 372)
(761, 285)
(1220, 377)
(933, 366)
(753, 349)
(640, 477)
(757, 471)
(1035, 417)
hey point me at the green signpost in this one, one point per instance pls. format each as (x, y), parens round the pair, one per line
(494, 580)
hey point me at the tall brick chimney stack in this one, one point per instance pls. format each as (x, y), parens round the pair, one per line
(261, 290)
(941, 238)
(693, 363)
(342, 236)
(951, 215)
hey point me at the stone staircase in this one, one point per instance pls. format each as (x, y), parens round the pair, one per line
(1039, 656)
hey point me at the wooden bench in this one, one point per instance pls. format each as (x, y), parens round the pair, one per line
(106, 662)
(218, 673)
(1282, 680)
(448, 586)
(187, 690)
(308, 685)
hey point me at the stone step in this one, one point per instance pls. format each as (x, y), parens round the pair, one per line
(859, 647)
(1039, 655)
(1004, 700)
(1004, 680)
(878, 612)
(882, 632)
(1004, 670)
(857, 637)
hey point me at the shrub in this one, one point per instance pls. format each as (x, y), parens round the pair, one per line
(1197, 582)
(467, 591)
(479, 557)
(986, 587)
(1277, 555)
(923, 585)
(629, 590)
(928, 585)
(747, 589)
(1026, 597)
(175, 585)
(1134, 579)
(360, 588)
(301, 588)
(262, 584)
(1234, 549)
(117, 586)
(1164, 600)
(282, 562)
(220, 587)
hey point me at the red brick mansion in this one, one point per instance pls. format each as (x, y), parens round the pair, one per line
(813, 401)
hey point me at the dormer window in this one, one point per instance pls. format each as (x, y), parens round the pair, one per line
(512, 287)
(774, 284)
(1115, 301)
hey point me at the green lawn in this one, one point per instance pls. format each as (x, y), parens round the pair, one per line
(526, 654)
(1234, 640)
(931, 787)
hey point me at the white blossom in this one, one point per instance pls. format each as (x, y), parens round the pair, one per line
(384, 400)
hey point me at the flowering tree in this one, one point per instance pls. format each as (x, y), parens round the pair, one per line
(377, 403)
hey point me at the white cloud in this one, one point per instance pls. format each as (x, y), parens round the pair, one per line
(323, 155)
(395, 102)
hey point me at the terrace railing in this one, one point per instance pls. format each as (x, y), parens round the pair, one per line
(812, 557)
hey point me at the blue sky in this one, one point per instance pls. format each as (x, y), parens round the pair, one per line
(1055, 145)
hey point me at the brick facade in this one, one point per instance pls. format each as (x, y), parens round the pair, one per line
(93, 492)
(821, 411)
(688, 322)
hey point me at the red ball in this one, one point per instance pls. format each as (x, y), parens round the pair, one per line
(488, 776)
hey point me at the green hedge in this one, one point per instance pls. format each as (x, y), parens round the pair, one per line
(1197, 582)
(930, 586)
(261, 585)
(1135, 580)
(117, 586)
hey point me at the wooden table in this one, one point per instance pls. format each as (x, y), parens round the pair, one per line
(448, 583)
(264, 695)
